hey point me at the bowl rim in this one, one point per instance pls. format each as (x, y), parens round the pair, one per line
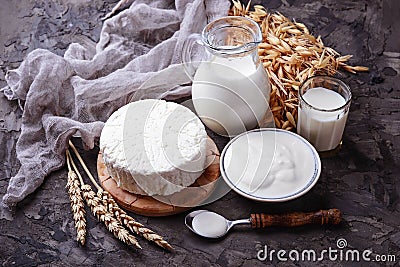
(307, 187)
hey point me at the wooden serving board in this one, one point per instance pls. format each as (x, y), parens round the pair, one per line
(165, 205)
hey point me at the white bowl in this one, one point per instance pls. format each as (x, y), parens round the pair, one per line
(270, 165)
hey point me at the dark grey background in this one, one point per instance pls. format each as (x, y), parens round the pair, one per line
(362, 180)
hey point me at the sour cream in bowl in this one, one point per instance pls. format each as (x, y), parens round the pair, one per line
(270, 165)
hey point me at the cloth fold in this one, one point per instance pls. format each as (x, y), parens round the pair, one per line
(137, 56)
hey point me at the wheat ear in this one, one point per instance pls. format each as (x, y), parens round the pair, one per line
(122, 217)
(77, 205)
(100, 210)
(131, 223)
(103, 215)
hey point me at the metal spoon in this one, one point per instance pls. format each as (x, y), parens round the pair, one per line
(217, 226)
(212, 225)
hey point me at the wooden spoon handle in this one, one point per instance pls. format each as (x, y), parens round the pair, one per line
(262, 220)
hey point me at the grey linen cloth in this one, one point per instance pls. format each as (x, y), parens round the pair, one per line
(137, 56)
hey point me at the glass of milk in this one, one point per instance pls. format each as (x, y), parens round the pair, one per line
(230, 89)
(324, 104)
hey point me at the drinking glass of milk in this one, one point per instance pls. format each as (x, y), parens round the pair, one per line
(324, 104)
(230, 90)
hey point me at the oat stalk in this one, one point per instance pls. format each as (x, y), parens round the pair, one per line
(290, 55)
(77, 205)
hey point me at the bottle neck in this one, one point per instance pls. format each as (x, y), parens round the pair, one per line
(233, 51)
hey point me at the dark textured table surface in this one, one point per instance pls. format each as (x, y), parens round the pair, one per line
(362, 180)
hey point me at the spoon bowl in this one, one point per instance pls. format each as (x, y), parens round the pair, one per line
(212, 225)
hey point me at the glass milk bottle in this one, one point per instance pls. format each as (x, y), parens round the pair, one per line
(230, 90)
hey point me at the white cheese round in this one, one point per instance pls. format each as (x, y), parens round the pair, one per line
(154, 147)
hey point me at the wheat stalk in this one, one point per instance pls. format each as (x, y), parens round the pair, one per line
(77, 205)
(131, 223)
(100, 211)
(106, 201)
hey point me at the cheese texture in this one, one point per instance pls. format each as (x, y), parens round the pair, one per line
(154, 147)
